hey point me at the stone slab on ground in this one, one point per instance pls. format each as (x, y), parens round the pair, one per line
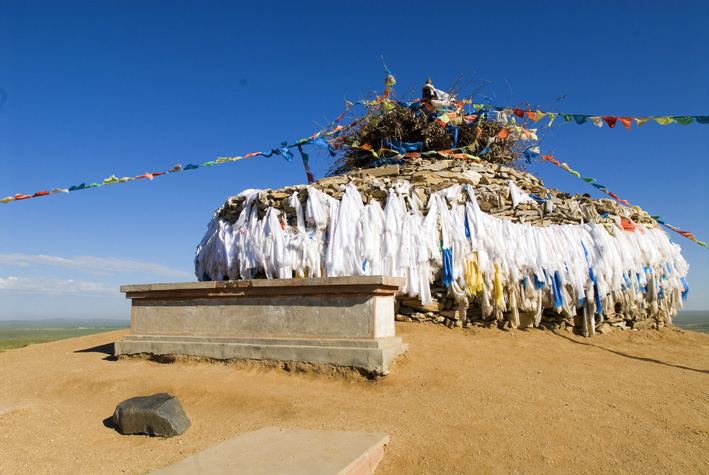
(341, 321)
(287, 451)
(373, 356)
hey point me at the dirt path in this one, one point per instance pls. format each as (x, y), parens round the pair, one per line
(460, 401)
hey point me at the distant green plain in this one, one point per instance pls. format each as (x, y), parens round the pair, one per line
(20, 334)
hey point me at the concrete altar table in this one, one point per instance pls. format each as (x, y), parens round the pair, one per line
(342, 321)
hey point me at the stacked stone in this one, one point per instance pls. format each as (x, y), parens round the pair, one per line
(491, 184)
(430, 175)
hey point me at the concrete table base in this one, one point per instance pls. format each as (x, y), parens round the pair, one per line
(273, 451)
(342, 321)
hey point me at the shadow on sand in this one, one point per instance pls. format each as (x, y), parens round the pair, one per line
(640, 358)
(106, 349)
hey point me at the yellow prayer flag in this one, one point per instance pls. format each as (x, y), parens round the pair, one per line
(538, 116)
(552, 116)
(497, 286)
(663, 120)
(642, 120)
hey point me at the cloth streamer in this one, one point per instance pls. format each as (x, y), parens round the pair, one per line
(504, 266)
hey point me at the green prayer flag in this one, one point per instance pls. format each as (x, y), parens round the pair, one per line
(683, 120)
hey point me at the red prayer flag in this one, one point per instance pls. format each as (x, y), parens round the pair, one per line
(683, 233)
(518, 112)
(21, 197)
(610, 120)
(503, 134)
(550, 158)
(40, 193)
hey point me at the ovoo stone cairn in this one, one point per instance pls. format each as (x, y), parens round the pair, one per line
(479, 244)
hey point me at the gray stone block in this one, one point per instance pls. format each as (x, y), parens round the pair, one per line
(159, 415)
(341, 321)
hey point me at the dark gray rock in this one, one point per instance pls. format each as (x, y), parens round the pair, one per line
(159, 415)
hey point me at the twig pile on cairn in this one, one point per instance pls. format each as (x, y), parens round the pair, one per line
(479, 243)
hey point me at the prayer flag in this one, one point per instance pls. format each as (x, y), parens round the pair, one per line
(626, 121)
(610, 120)
(683, 120)
(580, 119)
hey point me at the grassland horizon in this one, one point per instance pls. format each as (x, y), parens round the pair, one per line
(20, 333)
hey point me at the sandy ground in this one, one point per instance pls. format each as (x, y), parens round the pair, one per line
(460, 401)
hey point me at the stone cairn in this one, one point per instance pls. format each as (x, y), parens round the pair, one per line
(480, 243)
(432, 173)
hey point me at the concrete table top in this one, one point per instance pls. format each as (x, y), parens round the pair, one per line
(274, 451)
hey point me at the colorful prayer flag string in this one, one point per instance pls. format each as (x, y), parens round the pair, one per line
(446, 118)
(598, 121)
(595, 184)
(284, 151)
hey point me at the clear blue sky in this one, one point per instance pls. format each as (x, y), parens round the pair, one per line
(95, 89)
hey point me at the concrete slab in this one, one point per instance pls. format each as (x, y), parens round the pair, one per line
(342, 321)
(275, 451)
(374, 356)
